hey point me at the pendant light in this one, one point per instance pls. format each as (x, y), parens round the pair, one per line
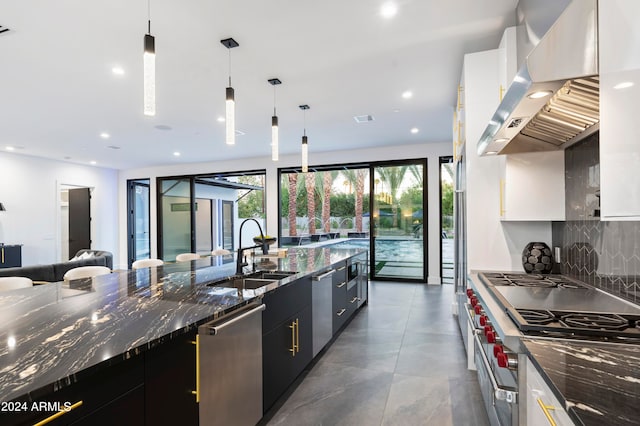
(274, 122)
(149, 62)
(230, 115)
(305, 145)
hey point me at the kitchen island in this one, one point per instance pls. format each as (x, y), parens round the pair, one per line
(58, 335)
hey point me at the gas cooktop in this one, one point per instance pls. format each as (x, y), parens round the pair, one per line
(557, 306)
(530, 280)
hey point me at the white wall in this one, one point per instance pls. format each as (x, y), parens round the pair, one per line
(432, 151)
(30, 192)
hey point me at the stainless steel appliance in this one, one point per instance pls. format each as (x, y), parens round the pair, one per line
(229, 355)
(504, 307)
(361, 265)
(553, 101)
(322, 313)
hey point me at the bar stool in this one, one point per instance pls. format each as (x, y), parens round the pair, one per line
(184, 257)
(85, 272)
(13, 283)
(146, 263)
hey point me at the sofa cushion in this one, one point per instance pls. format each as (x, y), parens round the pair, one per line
(98, 253)
(35, 272)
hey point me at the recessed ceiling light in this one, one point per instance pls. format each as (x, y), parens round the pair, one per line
(93, 163)
(388, 10)
(501, 140)
(105, 135)
(407, 94)
(176, 154)
(623, 85)
(539, 94)
(415, 130)
(117, 70)
(10, 148)
(491, 152)
(396, 110)
(221, 119)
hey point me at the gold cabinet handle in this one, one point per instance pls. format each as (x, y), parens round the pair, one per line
(545, 410)
(339, 313)
(501, 92)
(460, 89)
(342, 284)
(2, 250)
(197, 391)
(342, 268)
(297, 335)
(354, 300)
(293, 339)
(58, 414)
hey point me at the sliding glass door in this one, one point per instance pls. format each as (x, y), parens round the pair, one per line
(176, 205)
(201, 213)
(139, 241)
(398, 228)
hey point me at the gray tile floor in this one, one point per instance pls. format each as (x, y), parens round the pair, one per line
(400, 361)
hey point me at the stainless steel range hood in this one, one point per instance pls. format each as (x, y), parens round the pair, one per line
(563, 68)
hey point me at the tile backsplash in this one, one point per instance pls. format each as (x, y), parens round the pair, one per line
(603, 254)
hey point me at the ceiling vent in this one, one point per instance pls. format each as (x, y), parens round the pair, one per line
(3, 29)
(363, 118)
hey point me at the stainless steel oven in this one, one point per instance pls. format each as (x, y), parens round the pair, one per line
(506, 307)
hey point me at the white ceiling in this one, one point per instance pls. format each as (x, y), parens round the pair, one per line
(340, 57)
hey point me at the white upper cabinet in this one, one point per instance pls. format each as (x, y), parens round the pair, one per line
(619, 50)
(507, 60)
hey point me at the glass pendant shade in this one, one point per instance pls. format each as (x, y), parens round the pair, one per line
(231, 117)
(305, 155)
(149, 61)
(274, 138)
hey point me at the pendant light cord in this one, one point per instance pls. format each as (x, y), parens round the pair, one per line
(149, 17)
(274, 100)
(229, 66)
(304, 123)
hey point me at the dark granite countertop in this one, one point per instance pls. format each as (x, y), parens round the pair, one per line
(599, 383)
(52, 332)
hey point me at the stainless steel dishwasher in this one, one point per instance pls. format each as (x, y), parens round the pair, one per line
(322, 314)
(229, 367)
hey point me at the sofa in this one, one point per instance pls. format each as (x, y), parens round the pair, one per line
(54, 272)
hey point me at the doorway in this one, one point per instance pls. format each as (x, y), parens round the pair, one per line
(446, 219)
(75, 220)
(198, 213)
(398, 228)
(138, 201)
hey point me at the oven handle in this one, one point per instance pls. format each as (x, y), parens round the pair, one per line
(499, 393)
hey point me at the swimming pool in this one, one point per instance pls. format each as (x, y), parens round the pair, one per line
(401, 258)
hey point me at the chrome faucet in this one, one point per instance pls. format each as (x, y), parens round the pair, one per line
(240, 263)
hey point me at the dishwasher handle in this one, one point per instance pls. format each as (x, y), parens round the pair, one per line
(215, 329)
(323, 276)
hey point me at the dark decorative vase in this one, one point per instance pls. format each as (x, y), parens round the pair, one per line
(537, 258)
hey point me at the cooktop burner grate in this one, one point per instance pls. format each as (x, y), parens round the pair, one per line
(530, 280)
(536, 317)
(609, 322)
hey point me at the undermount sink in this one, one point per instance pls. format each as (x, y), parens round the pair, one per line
(271, 275)
(253, 280)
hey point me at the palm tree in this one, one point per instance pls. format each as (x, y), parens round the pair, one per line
(327, 183)
(393, 176)
(361, 174)
(356, 178)
(310, 184)
(293, 195)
